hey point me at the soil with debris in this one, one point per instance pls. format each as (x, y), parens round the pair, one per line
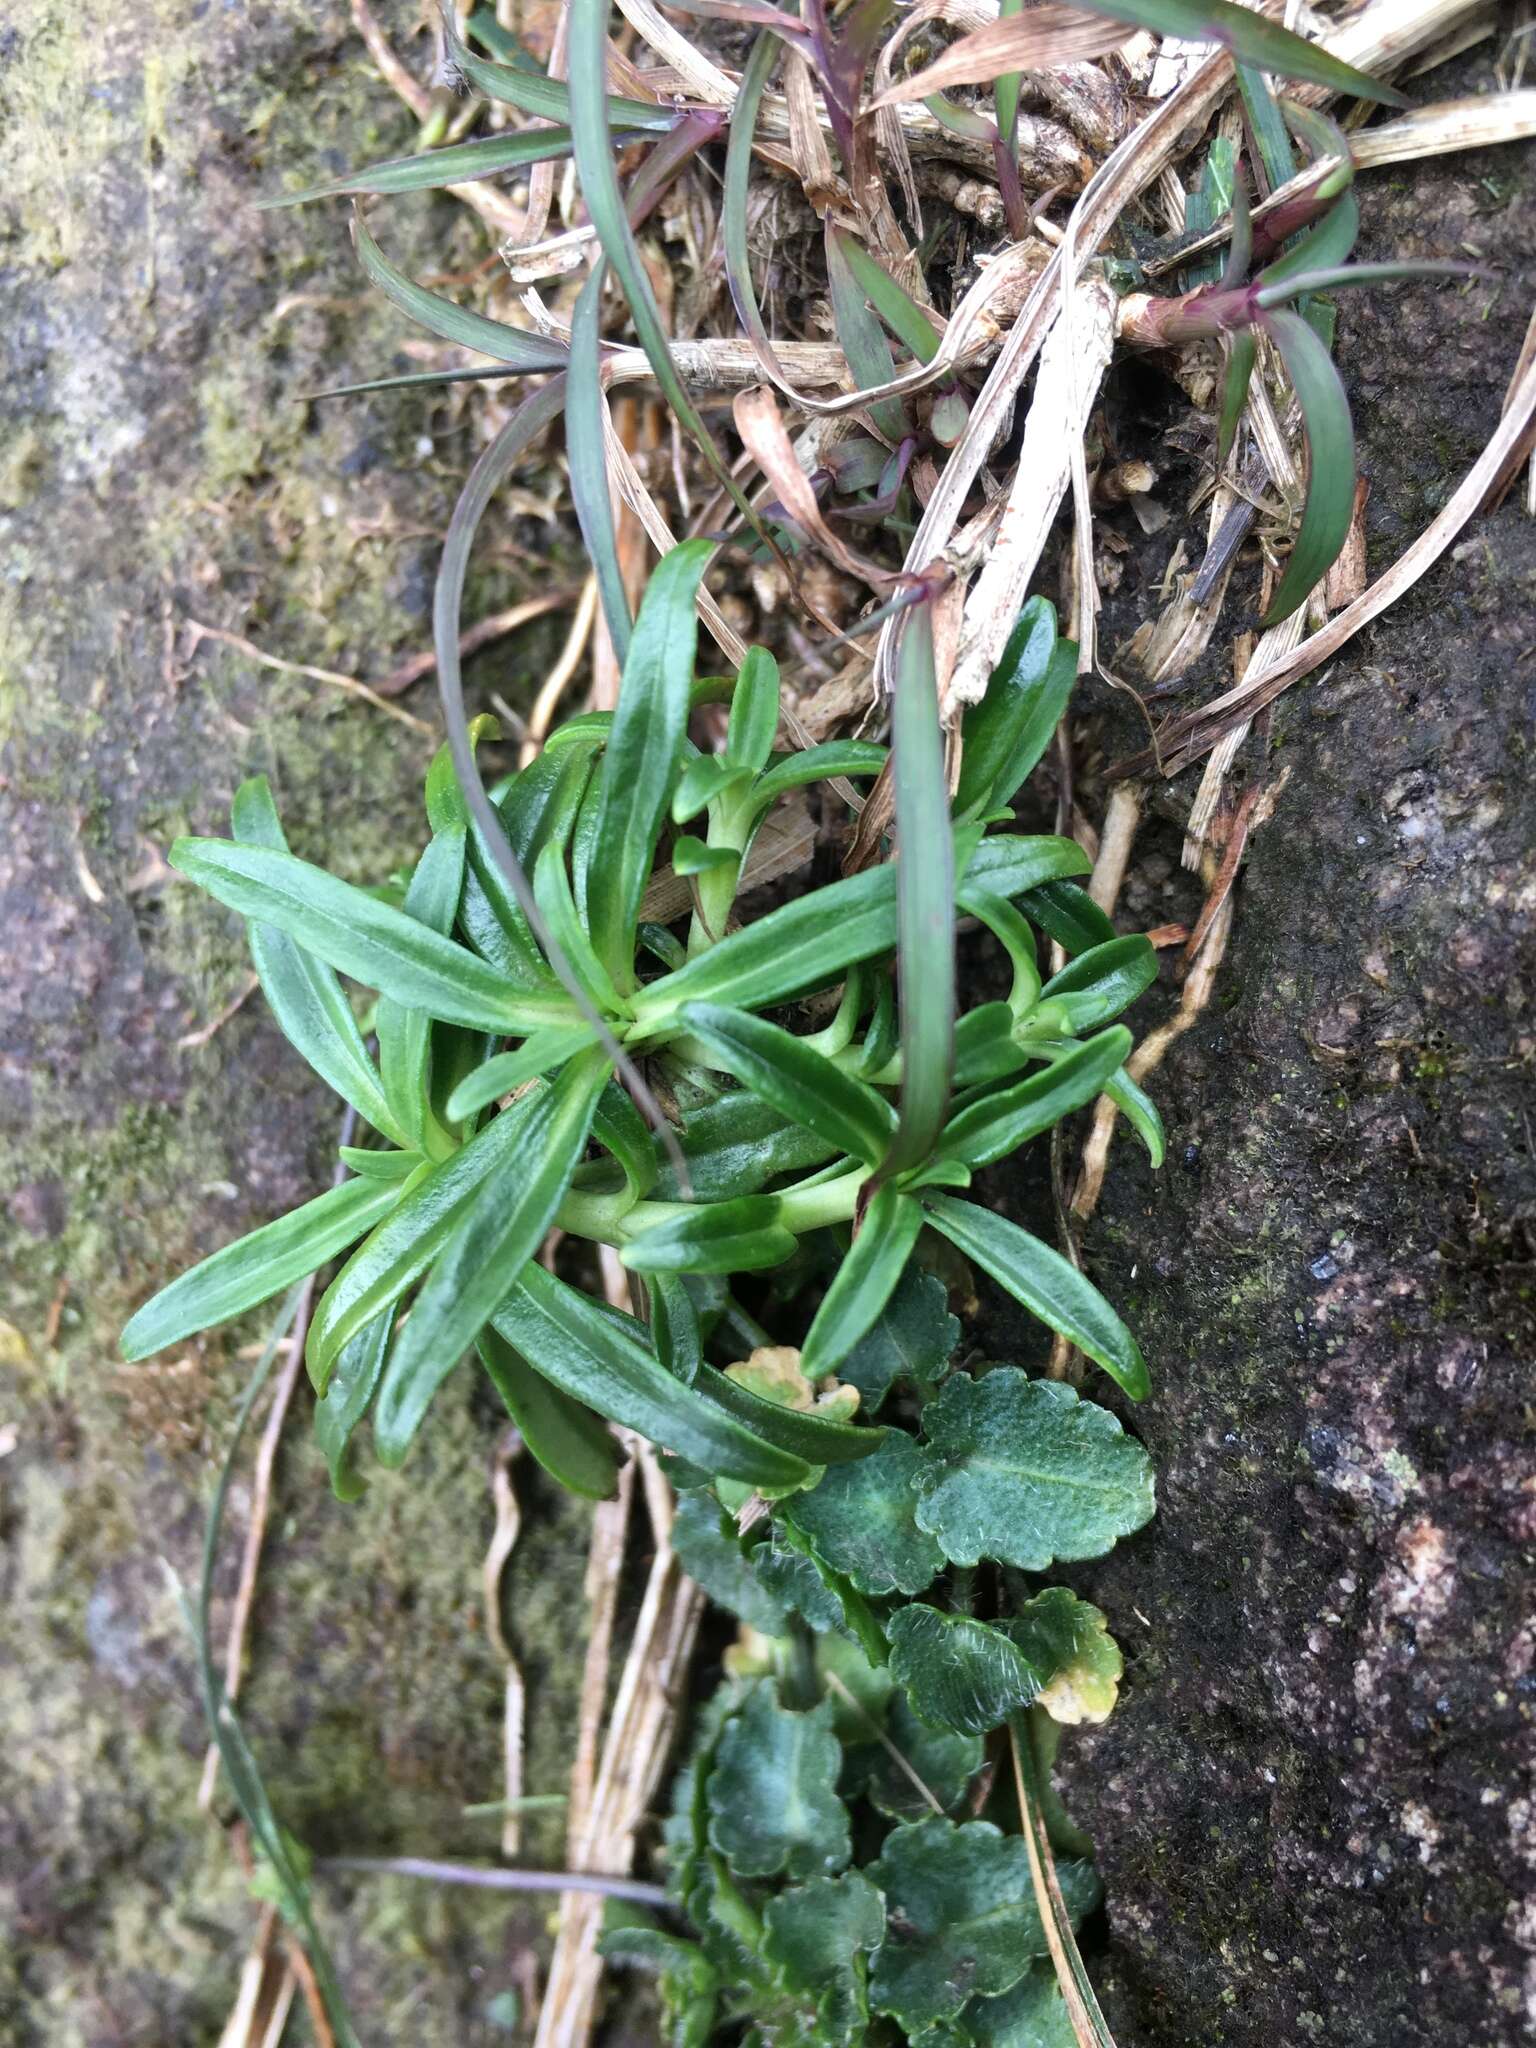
(1309, 1809)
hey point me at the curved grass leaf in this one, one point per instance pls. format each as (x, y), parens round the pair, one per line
(1137, 1106)
(569, 1441)
(594, 1359)
(675, 1329)
(459, 324)
(863, 1283)
(1323, 247)
(621, 1130)
(255, 1267)
(364, 938)
(378, 1165)
(533, 92)
(302, 992)
(1330, 500)
(925, 900)
(734, 237)
(736, 1144)
(1069, 915)
(587, 456)
(492, 1240)
(1048, 1285)
(460, 163)
(794, 1079)
(816, 1438)
(644, 752)
(998, 1124)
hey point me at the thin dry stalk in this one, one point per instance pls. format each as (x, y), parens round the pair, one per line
(509, 1523)
(349, 684)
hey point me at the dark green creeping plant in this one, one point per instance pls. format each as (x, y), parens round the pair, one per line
(837, 1492)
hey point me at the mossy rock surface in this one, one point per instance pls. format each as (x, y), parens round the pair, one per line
(160, 466)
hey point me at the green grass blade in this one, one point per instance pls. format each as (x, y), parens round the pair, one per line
(460, 164)
(735, 251)
(354, 1382)
(539, 1054)
(1330, 500)
(1266, 124)
(754, 719)
(587, 455)
(862, 339)
(498, 1233)
(1007, 732)
(405, 1034)
(925, 900)
(534, 93)
(443, 318)
(1323, 247)
(644, 752)
(1047, 1285)
(900, 312)
(590, 126)
(254, 1268)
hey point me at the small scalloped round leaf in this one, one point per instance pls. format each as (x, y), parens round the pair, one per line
(964, 1903)
(1023, 1471)
(1032, 2015)
(914, 1334)
(773, 1804)
(710, 1554)
(1070, 1638)
(960, 1673)
(860, 1519)
(944, 1761)
(816, 1933)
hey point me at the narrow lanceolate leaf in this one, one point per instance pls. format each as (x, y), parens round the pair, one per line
(772, 1794)
(754, 712)
(1006, 733)
(596, 1360)
(254, 1268)
(347, 1400)
(572, 1444)
(586, 412)
(734, 237)
(367, 939)
(644, 751)
(307, 1000)
(901, 313)
(1242, 352)
(998, 1124)
(741, 1236)
(814, 940)
(819, 764)
(496, 1236)
(540, 1054)
(459, 164)
(819, 1439)
(864, 1282)
(1067, 914)
(440, 316)
(794, 1078)
(1048, 1286)
(1102, 982)
(925, 900)
(405, 1035)
(1023, 1471)
(1324, 246)
(862, 339)
(860, 1519)
(1330, 434)
(1134, 1103)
